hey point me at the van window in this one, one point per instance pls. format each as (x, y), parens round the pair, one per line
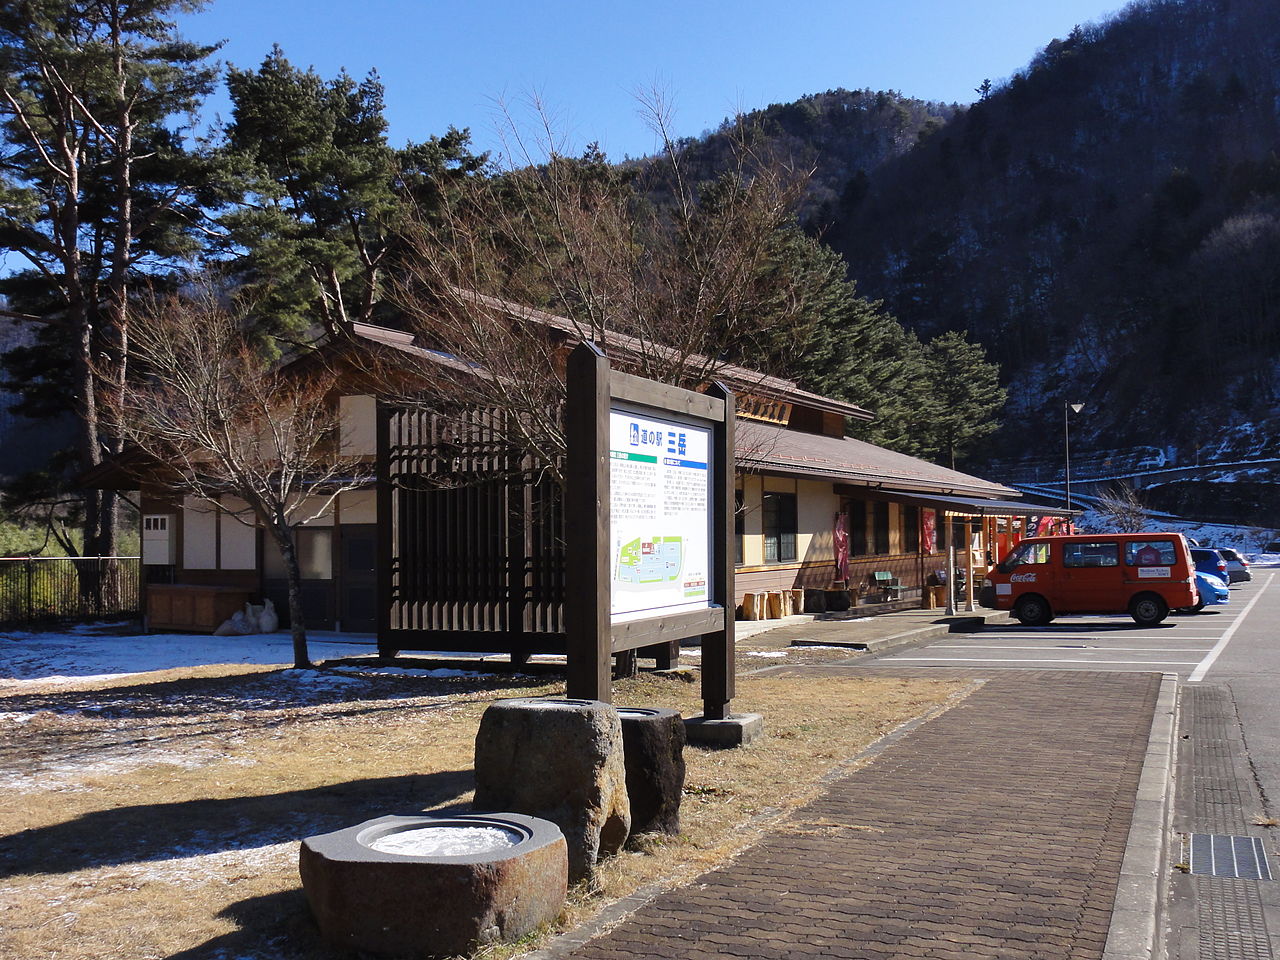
(1150, 553)
(1091, 555)
(1027, 553)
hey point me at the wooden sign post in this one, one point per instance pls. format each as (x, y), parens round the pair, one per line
(648, 521)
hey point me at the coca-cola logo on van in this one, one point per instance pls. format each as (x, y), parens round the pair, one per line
(1023, 578)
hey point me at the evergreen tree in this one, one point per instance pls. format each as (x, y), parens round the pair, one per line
(95, 184)
(312, 218)
(966, 393)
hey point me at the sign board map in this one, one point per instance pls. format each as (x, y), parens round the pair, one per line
(660, 501)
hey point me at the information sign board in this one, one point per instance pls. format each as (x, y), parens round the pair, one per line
(660, 515)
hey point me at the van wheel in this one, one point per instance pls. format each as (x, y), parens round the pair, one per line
(1033, 610)
(1148, 609)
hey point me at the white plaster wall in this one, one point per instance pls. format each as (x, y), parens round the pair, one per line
(309, 506)
(239, 549)
(816, 507)
(199, 535)
(359, 425)
(358, 506)
(753, 522)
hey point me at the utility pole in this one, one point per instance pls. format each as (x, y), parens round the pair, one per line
(1067, 410)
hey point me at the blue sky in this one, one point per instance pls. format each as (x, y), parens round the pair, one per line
(451, 63)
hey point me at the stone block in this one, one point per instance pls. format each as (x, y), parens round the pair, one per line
(561, 760)
(736, 730)
(653, 741)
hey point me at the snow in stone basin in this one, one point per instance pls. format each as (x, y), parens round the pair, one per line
(446, 841)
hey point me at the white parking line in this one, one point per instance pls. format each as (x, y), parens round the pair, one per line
(1144, 663)
(1105, 638)
(1091, 649)
(1198, 673)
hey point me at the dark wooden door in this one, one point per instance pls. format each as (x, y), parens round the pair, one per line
(357, 585)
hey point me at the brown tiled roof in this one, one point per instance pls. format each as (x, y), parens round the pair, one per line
(624, 345)
(845, 460)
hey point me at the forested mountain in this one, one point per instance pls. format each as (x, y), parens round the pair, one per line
(841, 135)
(1106, 223)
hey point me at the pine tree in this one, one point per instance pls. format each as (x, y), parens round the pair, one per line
(96, 184)
(966, 393)
(312, 218)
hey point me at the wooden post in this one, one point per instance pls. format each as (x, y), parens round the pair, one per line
(718, 663)
(588, 643)
(950, 547)
(968, 564)
(383, 502)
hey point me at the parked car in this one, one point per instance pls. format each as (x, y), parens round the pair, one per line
(1272, 547)
(1210, 561)
(1211, 589)
(1143, 574)
(1237, 566)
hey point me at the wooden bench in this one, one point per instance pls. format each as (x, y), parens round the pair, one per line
(890, 586)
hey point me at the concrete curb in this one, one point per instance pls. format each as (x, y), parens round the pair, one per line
(959, 624)
(1134, 917)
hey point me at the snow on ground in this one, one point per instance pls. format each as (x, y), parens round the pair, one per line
(96, 652)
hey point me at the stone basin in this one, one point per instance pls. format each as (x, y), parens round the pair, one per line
(434, 886)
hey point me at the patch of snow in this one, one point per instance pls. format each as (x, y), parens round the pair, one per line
(433, 672)
(69, 776)
(78, 655)
(330, 678)
(189, 869)
(446, 841)
(766, 653)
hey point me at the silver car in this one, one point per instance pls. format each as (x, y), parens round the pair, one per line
(1237, 566)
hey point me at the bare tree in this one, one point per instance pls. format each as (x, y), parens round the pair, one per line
(219, 417)
(1124, 508)
(675, 280)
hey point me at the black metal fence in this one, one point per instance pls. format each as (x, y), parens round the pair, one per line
(53, 588)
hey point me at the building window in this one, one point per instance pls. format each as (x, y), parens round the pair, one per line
(779, 514)
(857, 528)
(739, 526)
(910, 529)
(880, 527)
(315, 554)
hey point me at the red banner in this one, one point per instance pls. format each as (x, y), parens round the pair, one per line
(841, 538)
(928, 531)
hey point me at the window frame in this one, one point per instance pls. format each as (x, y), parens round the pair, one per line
(779, 515)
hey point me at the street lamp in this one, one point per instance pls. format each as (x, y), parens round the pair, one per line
(1067, 410)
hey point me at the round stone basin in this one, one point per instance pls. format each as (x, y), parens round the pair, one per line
(637, 713)
(453, 840)
(431, 886)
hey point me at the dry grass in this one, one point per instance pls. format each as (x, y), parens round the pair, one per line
(159, 816)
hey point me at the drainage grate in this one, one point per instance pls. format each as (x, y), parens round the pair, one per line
(1222, 855)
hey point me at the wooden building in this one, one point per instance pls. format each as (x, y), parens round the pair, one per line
(480, 565)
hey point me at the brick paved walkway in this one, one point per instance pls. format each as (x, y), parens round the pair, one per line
(994, 830)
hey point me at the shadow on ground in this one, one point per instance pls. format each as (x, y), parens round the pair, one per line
(165, 831)
(248, 693)
(276, 925)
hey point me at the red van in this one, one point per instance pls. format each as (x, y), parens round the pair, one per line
(1142, 574)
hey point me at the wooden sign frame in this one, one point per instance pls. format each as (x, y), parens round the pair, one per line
(592, 639)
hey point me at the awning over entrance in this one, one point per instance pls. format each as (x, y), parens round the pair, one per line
(978, 507)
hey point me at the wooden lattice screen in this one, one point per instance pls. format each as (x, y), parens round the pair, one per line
(471, 538)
